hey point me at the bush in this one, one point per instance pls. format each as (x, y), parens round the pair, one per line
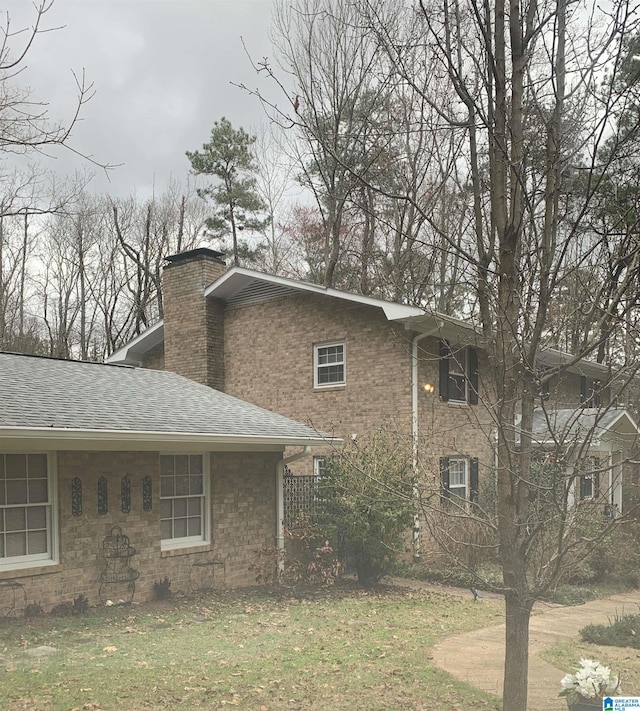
(615, 559)
(308, 558)
(33, 609)
(624, 631)
(162, 589)
(79, 606)
(367, 503)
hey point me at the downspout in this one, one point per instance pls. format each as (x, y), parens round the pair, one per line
(415, 429)
(280, 499)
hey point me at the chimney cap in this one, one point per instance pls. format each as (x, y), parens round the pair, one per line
(194, 254)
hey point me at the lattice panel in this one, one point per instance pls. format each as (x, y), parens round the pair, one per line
(299, 497)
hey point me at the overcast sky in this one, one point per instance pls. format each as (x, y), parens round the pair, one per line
(162, 72)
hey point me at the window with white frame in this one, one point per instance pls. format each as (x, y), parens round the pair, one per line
(458, 375)
(458, 477)
(183, 499)
(27, 519)
(329, 364)
(319, 467)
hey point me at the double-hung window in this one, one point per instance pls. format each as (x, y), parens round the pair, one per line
(329, 364)
(27, 517)
(458, 373)
(459, 478)
(183, 500)
(589, 477)
(319, 468)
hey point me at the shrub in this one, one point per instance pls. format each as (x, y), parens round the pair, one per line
(162, 589)
(80, 604)
(623, 631)
(367, 503)
(33, 609)
(308, 558)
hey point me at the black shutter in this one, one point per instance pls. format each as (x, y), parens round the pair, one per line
(444, 478)
(444, 371)
(473, 478)
(472, 364)
(584, 395)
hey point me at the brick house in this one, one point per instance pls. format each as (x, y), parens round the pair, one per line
(113, 478)
(350, 364)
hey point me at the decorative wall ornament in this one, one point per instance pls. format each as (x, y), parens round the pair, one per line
(102, 496)
(147, 488)
(125, 494)
(76, 496)
(117, 553)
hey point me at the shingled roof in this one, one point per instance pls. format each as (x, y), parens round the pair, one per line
(65, 399)
(581, 424)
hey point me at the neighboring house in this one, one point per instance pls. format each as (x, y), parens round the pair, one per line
(351, 364)
(190, 475)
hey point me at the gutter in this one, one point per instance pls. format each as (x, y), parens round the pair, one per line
(280, 500)
(94, 435)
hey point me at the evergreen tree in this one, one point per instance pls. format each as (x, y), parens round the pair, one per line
(228, 158)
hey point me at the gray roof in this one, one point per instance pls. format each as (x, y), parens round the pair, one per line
(71, 396)
(578, 425)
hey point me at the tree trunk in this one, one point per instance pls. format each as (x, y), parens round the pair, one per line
(516, 665)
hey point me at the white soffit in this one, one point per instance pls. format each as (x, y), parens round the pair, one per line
(242, 286)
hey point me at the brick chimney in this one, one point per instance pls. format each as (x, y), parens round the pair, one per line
(193, 325)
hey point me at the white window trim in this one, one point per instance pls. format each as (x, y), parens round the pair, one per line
(465, 469)
(319, 467)
(171, 544)
(41, 560)
(459, 366)
(316, 365)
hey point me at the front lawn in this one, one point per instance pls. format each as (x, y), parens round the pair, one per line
(341, 648)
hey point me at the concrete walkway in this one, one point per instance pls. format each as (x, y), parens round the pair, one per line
(477, 658)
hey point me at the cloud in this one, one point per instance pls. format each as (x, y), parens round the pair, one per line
(162, 73)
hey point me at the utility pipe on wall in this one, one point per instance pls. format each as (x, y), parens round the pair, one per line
(415, 426)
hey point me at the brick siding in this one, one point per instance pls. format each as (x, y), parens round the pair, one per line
(243, 520)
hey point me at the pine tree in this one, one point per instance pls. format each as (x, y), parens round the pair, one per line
(228, 158)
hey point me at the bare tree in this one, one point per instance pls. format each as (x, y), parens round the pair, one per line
(517, 91)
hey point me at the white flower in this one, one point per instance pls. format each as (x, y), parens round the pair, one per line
(567, 682)
(591, 681)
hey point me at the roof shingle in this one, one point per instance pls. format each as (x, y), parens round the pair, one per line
(38, 392)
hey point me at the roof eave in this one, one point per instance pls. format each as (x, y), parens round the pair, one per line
(133, 437)
(133, 352)
(233, 280)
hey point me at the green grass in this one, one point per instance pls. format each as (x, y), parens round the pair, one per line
(339, 649)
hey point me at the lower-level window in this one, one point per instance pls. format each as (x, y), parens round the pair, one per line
(26, 511)
(459, 477)
(183, 499)
(589, 479)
